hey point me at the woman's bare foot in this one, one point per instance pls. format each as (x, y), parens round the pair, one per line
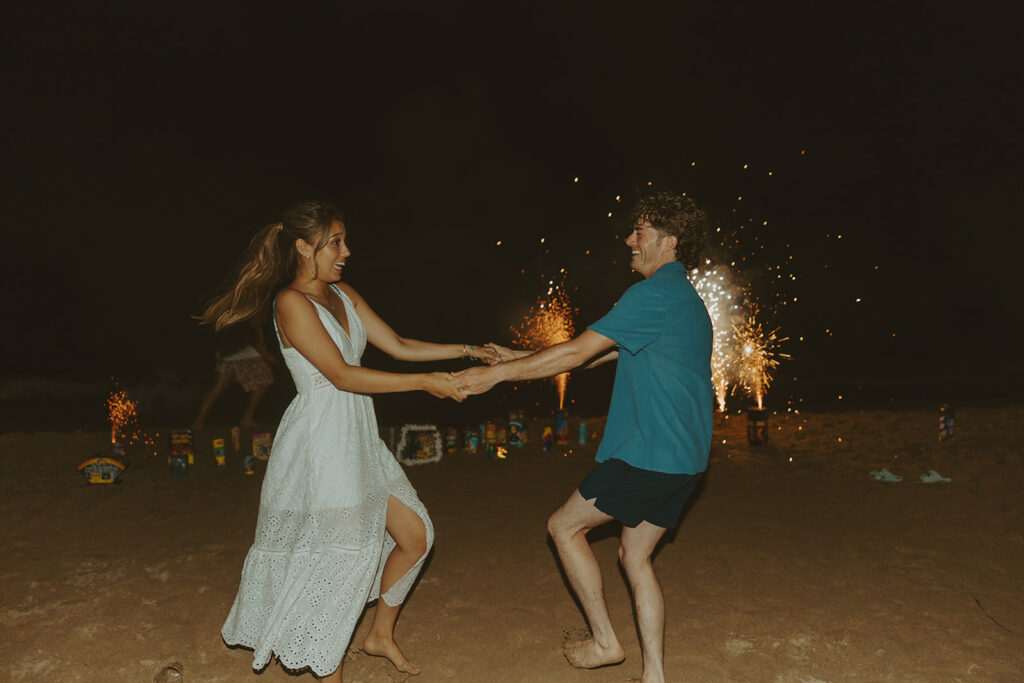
(588, 654)
(381, 647)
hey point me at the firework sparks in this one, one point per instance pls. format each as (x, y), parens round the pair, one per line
(757, 355)
(549, 321)
(124, 420)
(721, 299)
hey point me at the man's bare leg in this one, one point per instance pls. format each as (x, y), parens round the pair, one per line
(568, 528)
(635, 554)
(410, 535)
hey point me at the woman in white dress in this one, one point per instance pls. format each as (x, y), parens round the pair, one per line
(339, 523)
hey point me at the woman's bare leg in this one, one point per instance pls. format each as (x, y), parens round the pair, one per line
(255, 396)
(334, 677)
(410, 535)
(219, 386)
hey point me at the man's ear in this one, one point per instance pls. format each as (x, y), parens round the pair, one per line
(672, 242)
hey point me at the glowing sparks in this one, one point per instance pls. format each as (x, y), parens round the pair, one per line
(124, 420)
(757, 355)
(720, 298)
(549, 321)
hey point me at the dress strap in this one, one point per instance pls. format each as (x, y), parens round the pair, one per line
(273, 314)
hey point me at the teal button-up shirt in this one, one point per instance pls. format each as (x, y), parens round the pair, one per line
(662, 401)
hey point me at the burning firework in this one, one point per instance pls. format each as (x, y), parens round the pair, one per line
(719, 295)
(124, 420)
(756, 355)
(549, 321)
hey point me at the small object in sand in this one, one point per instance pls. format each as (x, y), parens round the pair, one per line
(757, 427)
(451, 439)
(236, 439)
(101, 470)
(247, 464)
(945, 422)
(261, 442)
(179, 466)
(885, 475)
(545, 439)
(181, 446)
(470, 441)
(419, 444)
(933, 477)
(172, 673)
(561, 427)
(218, 453)
(489, 432)
(516, 431)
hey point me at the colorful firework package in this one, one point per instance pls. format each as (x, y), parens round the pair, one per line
(546, 439)
(451, 439)
(489, 430)
(101, 470)
(757, 427)
(236, 439)
(470, 441)
(181, 453)
(219, 455)
(261, 442)
(561, 427)
(945, 422)
(516, 428)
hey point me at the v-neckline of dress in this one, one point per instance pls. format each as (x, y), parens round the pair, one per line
(344, 303)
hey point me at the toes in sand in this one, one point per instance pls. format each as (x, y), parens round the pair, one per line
(390, 650)
(588, 654)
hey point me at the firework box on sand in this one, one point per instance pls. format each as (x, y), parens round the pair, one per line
(181, 446)
(261, 443)
(419, 444)
(101, 470)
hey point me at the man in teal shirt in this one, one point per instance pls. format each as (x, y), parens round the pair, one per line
(658, 436)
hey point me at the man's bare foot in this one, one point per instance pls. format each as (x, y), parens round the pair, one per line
(588, 654)
(381, 647)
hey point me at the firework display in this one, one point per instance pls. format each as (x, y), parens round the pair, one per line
(548, 322)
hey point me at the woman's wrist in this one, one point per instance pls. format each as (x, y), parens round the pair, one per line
(468, 351)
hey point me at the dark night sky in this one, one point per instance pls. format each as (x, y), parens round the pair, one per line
(146, 143)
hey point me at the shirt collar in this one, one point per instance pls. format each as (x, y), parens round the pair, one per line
(670, 269)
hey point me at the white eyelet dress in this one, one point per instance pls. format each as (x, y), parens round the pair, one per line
(321, 540)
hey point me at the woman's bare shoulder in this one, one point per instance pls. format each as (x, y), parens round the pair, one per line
(350, 292)
(292, 300)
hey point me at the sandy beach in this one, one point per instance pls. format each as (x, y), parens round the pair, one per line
(792, 563)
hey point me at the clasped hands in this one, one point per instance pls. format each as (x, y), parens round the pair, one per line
(478, 380)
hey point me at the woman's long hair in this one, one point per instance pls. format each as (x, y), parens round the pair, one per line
(268, 263)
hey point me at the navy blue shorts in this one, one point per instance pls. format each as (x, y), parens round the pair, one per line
(632, 495)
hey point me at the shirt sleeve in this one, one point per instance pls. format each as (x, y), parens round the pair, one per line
(635, 321)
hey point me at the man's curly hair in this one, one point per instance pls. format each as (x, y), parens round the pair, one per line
(674, 214)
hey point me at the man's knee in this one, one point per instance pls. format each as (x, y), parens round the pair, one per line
(555, 524)
(633, 560)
